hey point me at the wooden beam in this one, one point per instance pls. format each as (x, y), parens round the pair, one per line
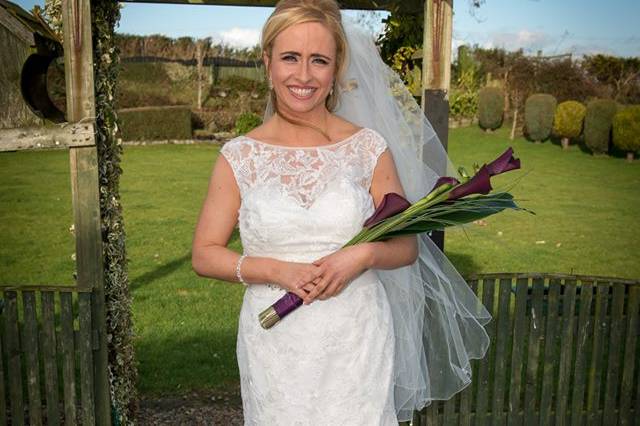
(16, 27)
(436, 74)
(78, 60)
(47, 137)
(436, 52)
(348, 4)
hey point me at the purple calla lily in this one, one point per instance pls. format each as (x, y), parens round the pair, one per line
(442, 180)
(504, 163)
(390, 205)
(480, 183)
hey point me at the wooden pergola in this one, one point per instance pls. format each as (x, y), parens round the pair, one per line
(78, 135)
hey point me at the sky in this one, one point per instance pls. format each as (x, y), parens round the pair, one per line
(552, 26)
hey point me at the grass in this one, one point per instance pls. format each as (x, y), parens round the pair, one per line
(586, 211)
(185, 326)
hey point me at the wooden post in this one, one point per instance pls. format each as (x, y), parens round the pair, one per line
(436, 73)
(78, 59)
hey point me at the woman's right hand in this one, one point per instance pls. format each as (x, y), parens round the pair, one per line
(298, 278)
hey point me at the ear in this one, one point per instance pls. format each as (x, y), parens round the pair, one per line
(266, 60)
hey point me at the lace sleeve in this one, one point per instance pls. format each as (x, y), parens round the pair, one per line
(377, 145)
(238, 156)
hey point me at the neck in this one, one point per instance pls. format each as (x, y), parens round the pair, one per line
(319, 119)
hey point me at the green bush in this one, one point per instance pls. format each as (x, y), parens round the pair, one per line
(246, 122)
(597, 124)
(155, 123)
(539, 110)
(568, 119)
(490, 108)
(626, 130)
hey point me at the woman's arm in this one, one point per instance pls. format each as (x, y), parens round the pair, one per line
(398, 251)
(211, 258)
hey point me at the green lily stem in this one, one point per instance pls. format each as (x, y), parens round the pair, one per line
(390, 224)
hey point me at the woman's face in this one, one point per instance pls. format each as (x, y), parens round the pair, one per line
(302, 67)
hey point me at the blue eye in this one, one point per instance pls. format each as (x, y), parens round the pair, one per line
(288, 58)
(321, 61)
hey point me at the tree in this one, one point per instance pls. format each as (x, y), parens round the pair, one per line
(202, 48)
(621, 73)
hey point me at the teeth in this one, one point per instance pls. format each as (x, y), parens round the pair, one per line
(302, 92)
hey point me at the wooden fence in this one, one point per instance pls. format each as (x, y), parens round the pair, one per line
(46, 356)
(564, 351)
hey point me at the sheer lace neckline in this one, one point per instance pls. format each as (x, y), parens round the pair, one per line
(331, 145)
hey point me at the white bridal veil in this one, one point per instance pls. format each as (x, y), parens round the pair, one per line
(438, 320)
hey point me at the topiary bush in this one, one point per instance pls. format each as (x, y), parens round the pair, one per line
(568, 121)
(246, 122)
(626, 130)
(490, 108)
(597, 124)
(539, 110)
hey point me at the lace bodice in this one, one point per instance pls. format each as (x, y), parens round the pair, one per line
(300, 203)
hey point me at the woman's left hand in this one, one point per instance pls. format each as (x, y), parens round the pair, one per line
(337, 270)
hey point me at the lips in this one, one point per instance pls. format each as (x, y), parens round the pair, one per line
(302, 93)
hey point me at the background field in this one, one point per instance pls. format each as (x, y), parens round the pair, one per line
(586, 215)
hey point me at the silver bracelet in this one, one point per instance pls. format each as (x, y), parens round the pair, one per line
(238, 265)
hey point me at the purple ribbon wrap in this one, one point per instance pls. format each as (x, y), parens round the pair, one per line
(287, 304)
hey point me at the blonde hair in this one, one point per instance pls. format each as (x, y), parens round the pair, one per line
(291, 12)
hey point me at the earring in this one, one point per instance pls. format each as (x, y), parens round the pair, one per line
(331, 92)
(270, 84)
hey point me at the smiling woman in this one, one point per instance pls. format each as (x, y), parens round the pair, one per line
(281, 183)
(301, 185)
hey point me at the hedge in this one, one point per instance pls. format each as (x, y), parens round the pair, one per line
(539, 110)
(597, 124)
(155, 123)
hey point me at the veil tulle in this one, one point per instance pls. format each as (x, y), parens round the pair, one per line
(438, 321)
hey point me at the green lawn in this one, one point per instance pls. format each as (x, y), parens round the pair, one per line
(185, 325)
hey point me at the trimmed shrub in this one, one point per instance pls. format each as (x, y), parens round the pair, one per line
(568, 121)
(155, 123)
(597, 124)
(626, 130)
(490, 108)
(539, 110)
(246, 122)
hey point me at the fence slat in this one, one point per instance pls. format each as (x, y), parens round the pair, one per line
(67, 349)
(431, 416)
(484, 373)
(500, 362)
(49, 358)
(614, 354)
(550, 354)
(580, 364)
(566, 351)
(31, 351)
(536, 329)
(3, 405)
(467, 393)
(518, 344)
(448, 414)
(595, 368)
(85, 347)
(628, 365)
(14, 362)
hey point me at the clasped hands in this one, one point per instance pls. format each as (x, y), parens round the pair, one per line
(327, 276)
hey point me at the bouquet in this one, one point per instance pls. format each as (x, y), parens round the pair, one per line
(450, 202)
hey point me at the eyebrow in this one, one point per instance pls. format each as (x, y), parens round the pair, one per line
(291, 52)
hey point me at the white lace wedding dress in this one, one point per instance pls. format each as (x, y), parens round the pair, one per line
(331, 362)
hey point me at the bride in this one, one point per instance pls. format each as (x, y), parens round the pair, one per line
(300, 186)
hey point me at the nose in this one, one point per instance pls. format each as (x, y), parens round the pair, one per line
(303, 72)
